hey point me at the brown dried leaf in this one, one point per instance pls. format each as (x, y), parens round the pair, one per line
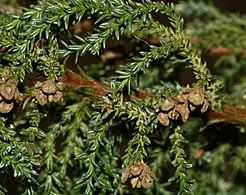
(82, 28)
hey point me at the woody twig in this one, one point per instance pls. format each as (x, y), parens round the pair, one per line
(73, 81)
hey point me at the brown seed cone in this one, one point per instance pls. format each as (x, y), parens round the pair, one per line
(18, 95)
(143, 173)
(6, 107)
(8, 90)
(49, 87)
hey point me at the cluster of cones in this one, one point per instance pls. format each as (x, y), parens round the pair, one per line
(48, 91)
(181, 106)
(139, 174)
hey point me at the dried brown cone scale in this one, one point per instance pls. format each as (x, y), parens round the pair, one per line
(125, 174)
(147, 179)
(163, 119)
(205, 106)
(183, 110)
(57, 96)
(136, 182)
(182, 98)
(167, 104)
(41, 98)
(196, 98)
(136, 169)
(6, 107)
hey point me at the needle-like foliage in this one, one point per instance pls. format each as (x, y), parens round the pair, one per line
(142, 115)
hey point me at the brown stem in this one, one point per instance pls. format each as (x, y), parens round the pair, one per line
(229, 114)
(10, 8)
(73, 81)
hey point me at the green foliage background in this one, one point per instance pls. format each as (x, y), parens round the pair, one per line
(82, 144)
